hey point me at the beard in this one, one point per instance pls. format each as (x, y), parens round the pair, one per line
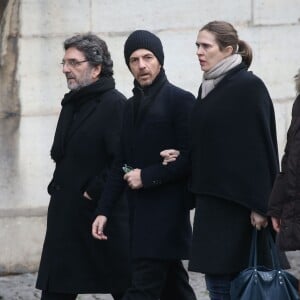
(77, 82)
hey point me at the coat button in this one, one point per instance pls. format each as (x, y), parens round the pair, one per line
(157, 182)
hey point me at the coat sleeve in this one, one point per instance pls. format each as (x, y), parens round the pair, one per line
(266, 155)
(277, 197)
(113, 188)
(287, 178)
(111, 143)
(158, 174)
(114, 184)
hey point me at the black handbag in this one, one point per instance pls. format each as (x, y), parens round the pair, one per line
(261, 283)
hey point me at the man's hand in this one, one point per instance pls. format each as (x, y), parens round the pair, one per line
(276, 224)
(169, 155)
(98, 227)
(134, 179)
(258, 221)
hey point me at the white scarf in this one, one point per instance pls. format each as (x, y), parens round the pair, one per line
(212, 77)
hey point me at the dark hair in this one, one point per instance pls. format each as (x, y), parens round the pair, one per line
(226, 35)
(95, 51)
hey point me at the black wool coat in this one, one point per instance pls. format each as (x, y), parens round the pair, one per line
(284, 201)
(84, 146)
(234, 163)
(159, 212)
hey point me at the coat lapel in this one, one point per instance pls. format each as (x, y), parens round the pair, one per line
(146, 102)
(77, 106)
(82, 117)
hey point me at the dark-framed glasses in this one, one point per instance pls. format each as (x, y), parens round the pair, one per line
(72, 63)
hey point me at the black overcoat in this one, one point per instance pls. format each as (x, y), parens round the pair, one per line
(234, 163)
(159, 212)
(284, 201)
(84, 146)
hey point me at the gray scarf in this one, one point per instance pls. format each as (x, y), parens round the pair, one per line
(212, 77)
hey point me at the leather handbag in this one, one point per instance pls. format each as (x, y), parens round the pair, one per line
(261, 283)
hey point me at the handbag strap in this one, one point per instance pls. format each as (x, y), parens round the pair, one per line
(274, 251)
(253, 250)
(271, 247)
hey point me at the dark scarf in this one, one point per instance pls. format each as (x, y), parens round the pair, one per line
(143, 96)
(71, 104)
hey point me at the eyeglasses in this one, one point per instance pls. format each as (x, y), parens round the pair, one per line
(72, 63)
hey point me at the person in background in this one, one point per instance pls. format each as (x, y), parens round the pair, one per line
(233, 153)
(155, 118)
(284, 202)
(84, 146)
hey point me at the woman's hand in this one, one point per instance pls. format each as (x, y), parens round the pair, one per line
(276, 224)
(258, 221)
(169, 155)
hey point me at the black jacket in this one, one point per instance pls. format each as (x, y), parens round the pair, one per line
(233, 141)
(285, 198)
(84, 146)
(159, 212)
(234, 164)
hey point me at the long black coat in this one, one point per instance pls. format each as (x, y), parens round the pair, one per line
(234, 164)
(84, 146)
(159, 212)
(284, 201)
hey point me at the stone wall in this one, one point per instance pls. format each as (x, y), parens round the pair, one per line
(21, 239)
(32, 83)
(271, 27)
(9, 26)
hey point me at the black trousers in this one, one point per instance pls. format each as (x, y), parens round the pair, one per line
(154, 279)
(59, 296)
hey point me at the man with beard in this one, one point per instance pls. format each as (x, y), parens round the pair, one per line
(155, 118)
(85, 142)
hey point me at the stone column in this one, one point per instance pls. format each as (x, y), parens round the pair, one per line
(9, 25)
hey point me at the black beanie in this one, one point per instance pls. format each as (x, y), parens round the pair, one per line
(143, 39)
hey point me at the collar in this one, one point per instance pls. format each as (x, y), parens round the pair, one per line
(84, 94)
(152, 89)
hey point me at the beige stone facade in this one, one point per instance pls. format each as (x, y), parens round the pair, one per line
(32, 83)
(34, 80)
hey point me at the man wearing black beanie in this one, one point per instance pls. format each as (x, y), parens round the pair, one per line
(155, 118)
